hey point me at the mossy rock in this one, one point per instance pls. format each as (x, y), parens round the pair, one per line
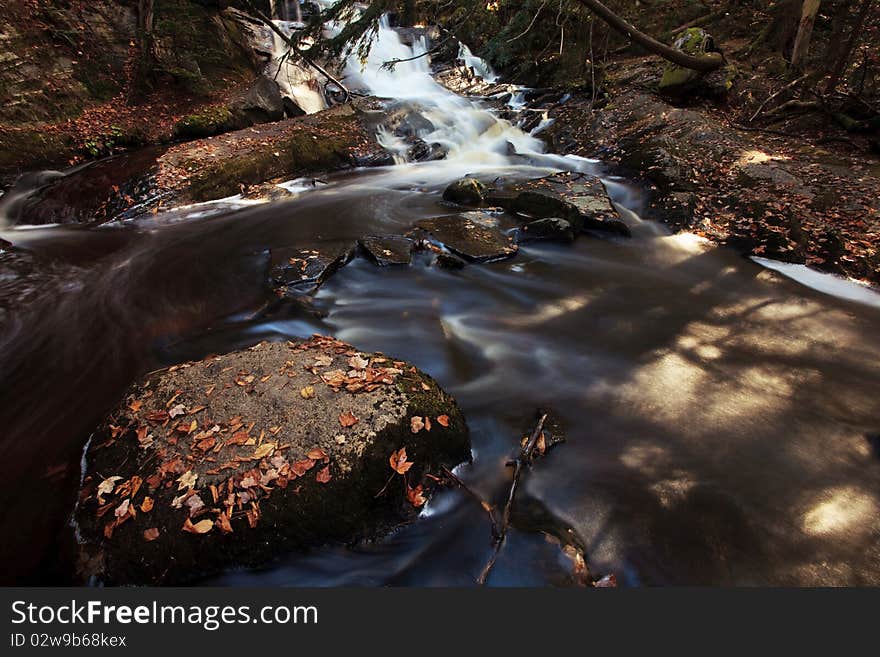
(208, 122)
(234, 460)
(680, 81)
(300, 150)
(467, 191)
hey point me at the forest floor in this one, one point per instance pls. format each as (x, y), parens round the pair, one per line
(800, 189)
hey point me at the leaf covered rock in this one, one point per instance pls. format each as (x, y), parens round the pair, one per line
(259, 469)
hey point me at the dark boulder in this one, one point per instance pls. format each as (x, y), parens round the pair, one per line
(467, 191)
(551, 229)
(231, 461)
(261, 103)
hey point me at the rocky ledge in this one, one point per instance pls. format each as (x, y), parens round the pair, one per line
(230, 461)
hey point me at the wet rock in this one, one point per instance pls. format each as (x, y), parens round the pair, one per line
(233, 460)
(544, 204)
(467, 191)
(450, 261)
(377, 159)
(421, 151)
(389, 250)
(501, 198)
(261, 103)
(579, 198)
(302, 269)
(291, 109)
(468, 237)
(551, 229)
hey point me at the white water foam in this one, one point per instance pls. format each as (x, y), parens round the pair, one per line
(829, 284)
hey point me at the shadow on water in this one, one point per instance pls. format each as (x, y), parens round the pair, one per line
(716, 414)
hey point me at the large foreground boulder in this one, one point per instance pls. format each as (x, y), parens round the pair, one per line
(231, 461)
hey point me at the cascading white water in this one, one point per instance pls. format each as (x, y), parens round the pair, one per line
(297, 81)
(470, 133)
(479, 66)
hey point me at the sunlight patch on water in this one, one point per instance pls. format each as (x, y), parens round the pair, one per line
(841, 509)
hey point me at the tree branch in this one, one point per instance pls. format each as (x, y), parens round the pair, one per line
(702, 63)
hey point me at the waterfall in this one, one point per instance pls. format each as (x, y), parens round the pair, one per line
(479, 66)
(297, 80)
(468, 131)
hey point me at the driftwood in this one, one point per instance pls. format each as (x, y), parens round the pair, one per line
(520, 463)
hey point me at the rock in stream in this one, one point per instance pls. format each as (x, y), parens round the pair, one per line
(233, 460)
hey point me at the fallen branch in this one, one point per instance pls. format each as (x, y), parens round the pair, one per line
(703, 63)
(522, 461)
(790, 85)
(488, 508)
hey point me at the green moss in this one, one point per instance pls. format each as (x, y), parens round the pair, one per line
(211, 121)
(694, 41)
(29, 148)
(300, 151)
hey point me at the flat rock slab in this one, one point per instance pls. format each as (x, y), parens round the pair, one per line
(233, 460)
(389, 250)
(474, 236)
(552, 229)
(579, 198)
(301, 269)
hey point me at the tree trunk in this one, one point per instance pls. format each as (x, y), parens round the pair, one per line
(805, 31)
(782, 27)
(702, 63)
(145, 38)
(851, 43)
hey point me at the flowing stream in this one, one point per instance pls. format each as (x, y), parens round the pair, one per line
(723, 422)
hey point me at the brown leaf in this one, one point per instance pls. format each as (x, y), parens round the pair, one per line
(323, 475)
(416, 424)
(151, 534)
(147, 504)
(348, 419)
(157, 416)
(398, 461)
(201, 527)
(301, 467)
(223, 524)
(443, 420)
(135, 405)
(415, 496)
(307, 393)
(187, 480)
(264, 450)
(316, 454)
(541, 444)
(206, 444)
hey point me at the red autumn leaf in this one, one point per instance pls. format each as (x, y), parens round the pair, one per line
(348, 419)
(301, 467)
(415, 496)
(399, 462)
(443, 420)
(323, 475)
